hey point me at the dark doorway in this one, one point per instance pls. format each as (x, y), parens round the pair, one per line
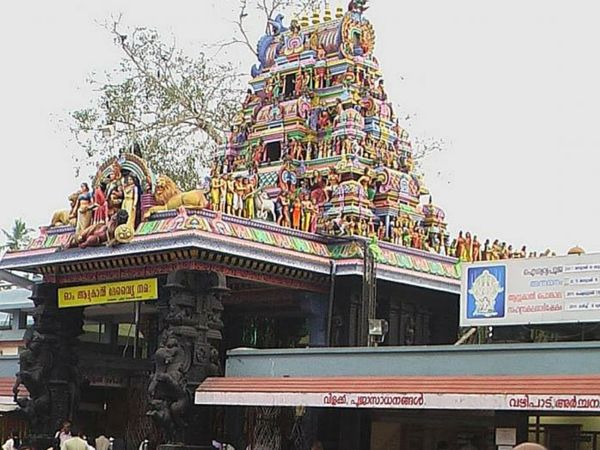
(290, 86)
(273, 151)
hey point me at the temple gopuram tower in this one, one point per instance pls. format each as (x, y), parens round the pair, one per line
(319, 141)
(314, 225)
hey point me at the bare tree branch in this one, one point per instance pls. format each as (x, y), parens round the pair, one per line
(174, 107)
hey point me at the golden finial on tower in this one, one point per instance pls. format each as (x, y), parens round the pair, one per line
(327, 16)
(316, 17)
(339, 12)
(304, 23)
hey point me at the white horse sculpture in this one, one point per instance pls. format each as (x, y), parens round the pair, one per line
(264, 206)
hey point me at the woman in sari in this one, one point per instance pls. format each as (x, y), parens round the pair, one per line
(82, 209)
(296, 213)
(130, 200)
(100, 204)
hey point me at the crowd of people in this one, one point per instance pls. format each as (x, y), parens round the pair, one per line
(67, 437)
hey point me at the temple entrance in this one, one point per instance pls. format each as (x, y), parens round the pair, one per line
(127, 369)
(115, 348)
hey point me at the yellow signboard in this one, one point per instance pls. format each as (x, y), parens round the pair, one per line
(108, 293)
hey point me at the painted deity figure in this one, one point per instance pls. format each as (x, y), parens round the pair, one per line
(100, 204)
(130, 200)
(83, 209)
(299, 83)
(468, 247)
(324, 120)
(485, 253)
(296, 213)
(306, 80)
(115, 200)
(269, 90)
(495, 251)
(102, 233)
(381, 91)
(308, 213)
(217, 191)
(238, 196)
(505, 252)
(229, 196)
(250, 97)
(321, 68)
(284, 218)
(249, 193)
(416, 238)
(406, 236)
(339, 109)
(276, 86)
(381, 231)
(461, 251)
(115, 180)
(476, 249)
(396, 233)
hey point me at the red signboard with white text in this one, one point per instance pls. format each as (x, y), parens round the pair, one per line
(418, 400)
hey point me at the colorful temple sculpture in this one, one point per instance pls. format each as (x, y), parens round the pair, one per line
(317, 145)
(314, 222)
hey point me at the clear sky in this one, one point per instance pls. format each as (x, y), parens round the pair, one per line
(511, 86)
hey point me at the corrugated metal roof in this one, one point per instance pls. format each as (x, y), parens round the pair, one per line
(6, 385)
(532, 385)
(15, 299)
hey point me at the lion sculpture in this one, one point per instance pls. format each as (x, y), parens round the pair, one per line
(66, 216)
(169, 197)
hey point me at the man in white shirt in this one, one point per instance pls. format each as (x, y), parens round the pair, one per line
(12, 443)
(74, 443)
(529, 446)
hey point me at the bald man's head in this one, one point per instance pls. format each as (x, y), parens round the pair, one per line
(530, 446)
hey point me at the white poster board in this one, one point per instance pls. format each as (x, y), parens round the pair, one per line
(562, 289)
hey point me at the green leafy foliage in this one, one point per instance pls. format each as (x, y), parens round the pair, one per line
(18, 237)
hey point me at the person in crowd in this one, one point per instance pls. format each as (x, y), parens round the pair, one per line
(530, 446)
(317, 445)
(102, 443)
(222, 445)
(89, 442)
(75, 442)
(13, 442)
(63, 434)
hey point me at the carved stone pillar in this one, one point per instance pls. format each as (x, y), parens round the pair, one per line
(48, 367)
(190, 332)
(353, 320)
(394, 321)
(425, 323)
(316, 308)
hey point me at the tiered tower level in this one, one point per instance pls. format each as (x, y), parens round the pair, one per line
(317, 145)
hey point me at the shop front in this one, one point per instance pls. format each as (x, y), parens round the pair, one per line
(428, 412)
(411, 398)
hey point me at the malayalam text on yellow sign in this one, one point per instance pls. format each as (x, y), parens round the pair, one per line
(108, 293)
